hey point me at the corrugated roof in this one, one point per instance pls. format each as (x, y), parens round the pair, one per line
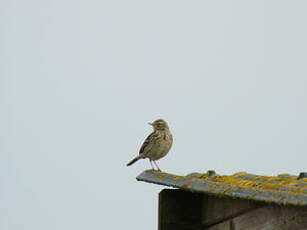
(283, 189)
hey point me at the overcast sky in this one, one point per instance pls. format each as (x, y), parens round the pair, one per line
(79, 80)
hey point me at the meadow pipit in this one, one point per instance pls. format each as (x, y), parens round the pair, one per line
(156, 145)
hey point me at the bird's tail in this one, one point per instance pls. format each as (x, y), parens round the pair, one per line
(135, 160)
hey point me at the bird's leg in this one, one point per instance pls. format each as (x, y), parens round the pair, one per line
(157, 166)
(151, 164)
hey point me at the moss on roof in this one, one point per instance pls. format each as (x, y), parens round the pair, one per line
(282, 189)
(281, 182)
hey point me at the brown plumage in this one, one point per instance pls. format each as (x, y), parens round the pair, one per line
(156, 145)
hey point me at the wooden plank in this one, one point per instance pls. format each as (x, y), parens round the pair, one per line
(227, 225)
(179, 210)
(270, 217)
(219, 209)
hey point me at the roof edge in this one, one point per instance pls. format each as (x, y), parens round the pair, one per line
(194, 184)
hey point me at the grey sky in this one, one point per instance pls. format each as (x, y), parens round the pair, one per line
(79, 81)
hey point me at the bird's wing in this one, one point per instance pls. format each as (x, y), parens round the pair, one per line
(149, 142)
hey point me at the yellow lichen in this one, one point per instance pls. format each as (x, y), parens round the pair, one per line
(282, 182)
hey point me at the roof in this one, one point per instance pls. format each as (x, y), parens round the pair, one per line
(282, 189)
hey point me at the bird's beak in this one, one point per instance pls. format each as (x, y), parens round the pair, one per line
(150, 123)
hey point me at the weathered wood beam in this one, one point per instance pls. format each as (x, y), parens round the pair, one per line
(180, 210)
(269, 217)
(220, 209)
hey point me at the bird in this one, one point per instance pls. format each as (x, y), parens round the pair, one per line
(156, 145)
